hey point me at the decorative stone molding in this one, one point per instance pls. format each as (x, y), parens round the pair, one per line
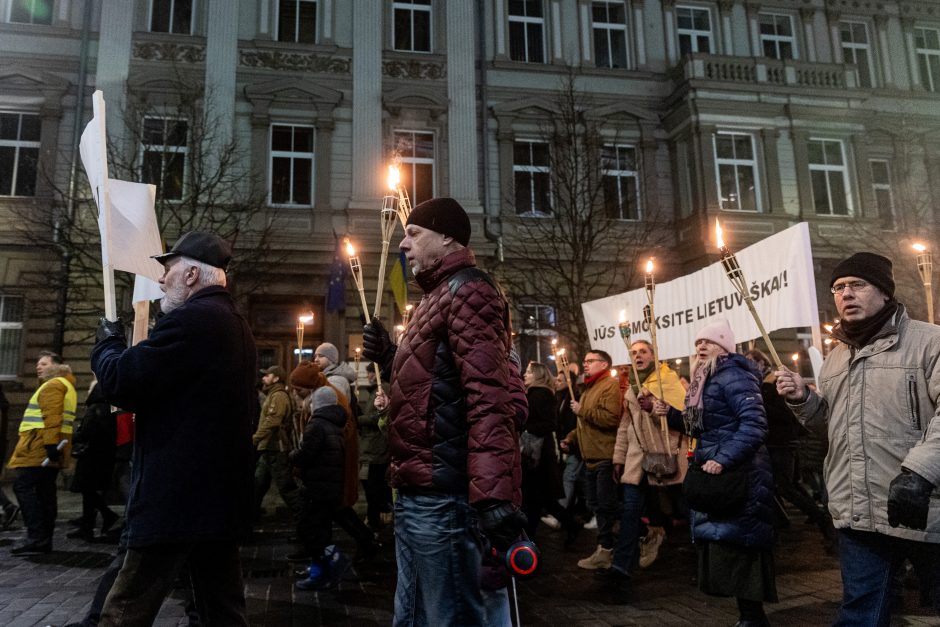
(168, 51)
(294, 61)
(752, 8)
(807, 13)
(833, 15)
(725, 7)
(292, 93)
(415, 98)
(414, 70)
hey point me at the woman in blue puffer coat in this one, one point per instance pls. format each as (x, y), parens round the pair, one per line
(724, 411)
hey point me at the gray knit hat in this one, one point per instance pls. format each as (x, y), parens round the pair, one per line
(329, 351)
(323, 397)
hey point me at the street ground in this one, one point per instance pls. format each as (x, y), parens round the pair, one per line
(57, 588)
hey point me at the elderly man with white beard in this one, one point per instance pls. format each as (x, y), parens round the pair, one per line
(191, 386)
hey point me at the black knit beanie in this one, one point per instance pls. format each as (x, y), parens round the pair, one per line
(873, 268)
(443, 215)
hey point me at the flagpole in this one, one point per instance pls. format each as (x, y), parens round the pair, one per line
(102, 195)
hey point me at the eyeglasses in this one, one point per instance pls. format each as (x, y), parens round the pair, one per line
(590, 361)
(855, 286)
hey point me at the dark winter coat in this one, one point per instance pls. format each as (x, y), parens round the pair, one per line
(452, 407)
(542, 421)
(735, 429)
(96, 439)
(321, 456)
(783, 429)
(192, 387)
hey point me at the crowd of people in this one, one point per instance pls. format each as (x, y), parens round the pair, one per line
(467, 452)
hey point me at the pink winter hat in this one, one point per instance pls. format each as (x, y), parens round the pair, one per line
(718, 332)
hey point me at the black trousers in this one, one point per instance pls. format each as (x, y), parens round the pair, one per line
(35, 491)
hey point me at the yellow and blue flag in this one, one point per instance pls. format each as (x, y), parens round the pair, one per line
(398, 281)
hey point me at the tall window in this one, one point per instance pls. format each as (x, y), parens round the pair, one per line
(172, 16)
(19, 154)
(881, 187)
(291, 165)
(621, 182)
(776, 36)
(610, 34)
(11, 333)
(526, 31)
(530, 168)
(297, 21)
(165, 150)
(736, 171)
(927, 43)
(411, 21)
(829, 177)
(536, 331)
(694, 26)
(415, 151)
(856, 49)
(31, 11)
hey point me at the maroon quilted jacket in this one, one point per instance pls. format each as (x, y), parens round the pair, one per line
(455, 407)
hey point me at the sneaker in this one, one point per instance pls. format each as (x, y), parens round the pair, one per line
(649, 546)
(10, 512)
(551, 521)
(591, 524)
(601, 558)
(316, 579)
(33, 548)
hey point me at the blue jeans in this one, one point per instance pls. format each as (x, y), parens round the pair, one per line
(626, 553)
(869, 562)
(571, 476)
(438, 551)
(603, 500)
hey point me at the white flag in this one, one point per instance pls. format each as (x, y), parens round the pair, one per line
(134, 232)
(146, 290)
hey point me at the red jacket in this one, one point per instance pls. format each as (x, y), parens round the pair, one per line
(455, 407)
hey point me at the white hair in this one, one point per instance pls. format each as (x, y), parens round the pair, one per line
(208, 275)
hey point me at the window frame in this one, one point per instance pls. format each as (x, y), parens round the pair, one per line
(694, 33)
(621, 173)
(10, 20)
(12, 326)
(292, 154)
(887, 221)
(17, 145)
(532, 169)
(777, 39)
(399, 5)
(854, 46)
(737, 163)
(192, 18)
(608, 28)
(538, 333)
(415, 161)
(923, 59)
(827, 168)
(297, 30)
(163, 150)
(526, 20)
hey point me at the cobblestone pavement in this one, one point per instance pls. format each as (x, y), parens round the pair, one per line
(57, 588)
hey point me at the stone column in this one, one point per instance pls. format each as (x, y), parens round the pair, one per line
(323, 142)
(113, 63)
(462, 104)
(639, 34)
(772, 191)
(804, 185)
(50, 115)
(881, 34)
(725, 10)
(265, 29)
(504, 140)
(865, 205)
(752, 9)
(221, 63)
(367, 104)
(807, 15)
(649, 174)
(326, 22)
(835, 38)
(672, 43)
(500, 30)
(708, 185)
(907, 26)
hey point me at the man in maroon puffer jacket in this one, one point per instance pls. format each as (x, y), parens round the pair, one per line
(455, 412)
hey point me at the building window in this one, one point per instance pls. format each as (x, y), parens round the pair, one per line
(610, 34)
(165, 150)
(829, 177)
(736, 169)
(695, 30)
(291, 165)
(415, 152)
(171, 16)
(526, 31)
(621, 182)
(927, 43)
(411, 21)
(11, 334)
(776, 36)
(881, 187)
(536, 332)
(31, 11)
(297, 21)
(856, 49)
(19, 153)
(530, 168)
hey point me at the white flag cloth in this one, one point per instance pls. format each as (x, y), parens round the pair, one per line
(146, 290)
(134, 233)
(779, 270)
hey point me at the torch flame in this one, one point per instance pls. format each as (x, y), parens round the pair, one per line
(554, 341)
(350, 249)
(649, 266)
(919, 247)
(828, 328)
(613, 373)
(358, 350)
(623, 316)
(795, 357)
(305, 319)
(409, 307)
(718, 239)
(561, 351)
(394, 177)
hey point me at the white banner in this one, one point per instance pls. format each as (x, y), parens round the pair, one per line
(780, 274)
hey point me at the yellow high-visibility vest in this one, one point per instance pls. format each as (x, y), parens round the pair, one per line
(32, 417)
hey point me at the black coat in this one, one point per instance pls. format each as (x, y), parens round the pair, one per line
(543, 420)
(321, 456)
(96, 438)
(192, 387)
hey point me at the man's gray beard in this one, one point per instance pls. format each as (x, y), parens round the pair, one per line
(171, 300)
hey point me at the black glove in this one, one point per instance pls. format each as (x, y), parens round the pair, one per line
(52, 452)
(108, 329)
(909, 500)
(501, 523)
(377, 345)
